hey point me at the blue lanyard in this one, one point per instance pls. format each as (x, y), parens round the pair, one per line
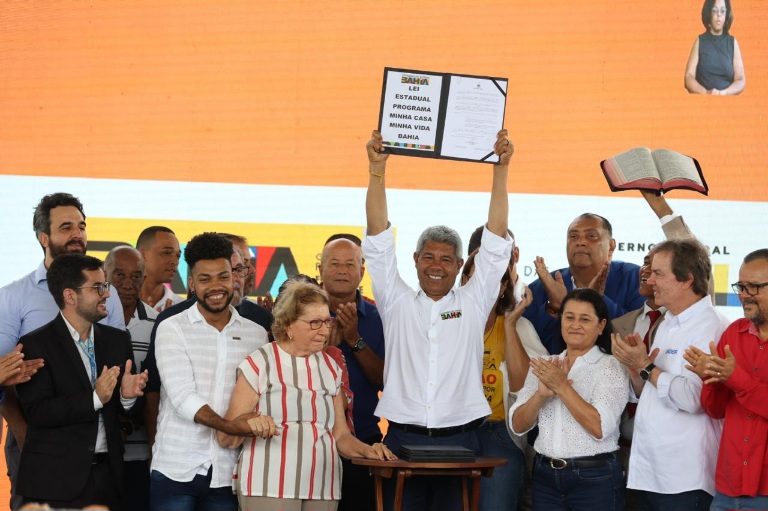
(87, 347)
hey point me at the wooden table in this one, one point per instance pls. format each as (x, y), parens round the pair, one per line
(402, 470)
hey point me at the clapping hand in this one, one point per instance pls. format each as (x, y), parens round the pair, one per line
(552, 374)
(712, 368)
(554, 287)
(132, 385)
(14, 369)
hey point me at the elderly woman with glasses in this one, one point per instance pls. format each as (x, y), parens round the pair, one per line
(292, 462)
(715, 65)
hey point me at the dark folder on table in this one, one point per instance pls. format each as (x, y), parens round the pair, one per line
(437, 453)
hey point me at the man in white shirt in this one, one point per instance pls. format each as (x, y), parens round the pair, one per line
(433, 391)
(198, 352)
(160, 249)
(674, 445)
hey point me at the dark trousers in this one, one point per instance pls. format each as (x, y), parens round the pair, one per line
(136, 485)
(576, 489)
(427, 493)
(195, 495)
(12, 459)
(357, 491)
(694, 500)
(101, 489)
(504, 489)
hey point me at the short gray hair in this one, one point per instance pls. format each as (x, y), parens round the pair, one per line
(440, 234)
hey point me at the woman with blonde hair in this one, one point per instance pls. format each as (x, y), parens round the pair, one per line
(292, 463)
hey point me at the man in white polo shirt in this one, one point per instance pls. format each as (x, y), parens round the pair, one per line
(433, 393)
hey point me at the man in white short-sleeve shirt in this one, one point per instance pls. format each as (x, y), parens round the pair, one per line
(433, 392)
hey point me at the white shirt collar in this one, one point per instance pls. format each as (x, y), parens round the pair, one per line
(73, 332)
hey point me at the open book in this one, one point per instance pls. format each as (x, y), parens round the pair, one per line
(659, 170)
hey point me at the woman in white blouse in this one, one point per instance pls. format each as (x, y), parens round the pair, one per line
(576, 398)
(292, 463)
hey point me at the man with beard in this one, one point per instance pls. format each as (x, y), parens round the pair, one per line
(160, 249)
(198, 351)
(72, 456)
(124, 267)
(735, 375)
(246, 308)
(26, 304)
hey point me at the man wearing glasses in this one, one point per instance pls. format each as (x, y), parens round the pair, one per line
(735, 375)
(73, 454)
(26, 304)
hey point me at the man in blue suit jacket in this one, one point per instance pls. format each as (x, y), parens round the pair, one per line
(589, 249)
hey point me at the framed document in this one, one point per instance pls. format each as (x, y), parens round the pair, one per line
(441, 115)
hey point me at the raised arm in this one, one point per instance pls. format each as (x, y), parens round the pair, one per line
(376, 198)
(498, 211)
(691, 85)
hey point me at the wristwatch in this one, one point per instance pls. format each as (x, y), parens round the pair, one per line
(359, 345)
(645, 373)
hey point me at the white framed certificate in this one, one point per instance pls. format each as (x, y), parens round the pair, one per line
(441, 115)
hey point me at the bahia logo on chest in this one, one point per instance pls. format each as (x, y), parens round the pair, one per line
(450, 315)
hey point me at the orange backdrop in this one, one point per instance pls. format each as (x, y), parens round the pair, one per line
(287, 92)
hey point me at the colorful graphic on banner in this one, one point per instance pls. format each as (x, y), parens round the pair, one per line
(283, 250)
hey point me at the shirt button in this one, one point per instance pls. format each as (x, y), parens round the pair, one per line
(745, 463)
(754, 369)
(746, 439)
(761, 347)
(749, 416)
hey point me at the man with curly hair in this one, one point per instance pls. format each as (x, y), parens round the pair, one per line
(197, 352)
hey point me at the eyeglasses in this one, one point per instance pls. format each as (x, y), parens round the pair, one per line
(749, 288)
(315, 324)
(241, 270)
(99, 287)
(721, 10)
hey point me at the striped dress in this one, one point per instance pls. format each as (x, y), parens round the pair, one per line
(297, 392)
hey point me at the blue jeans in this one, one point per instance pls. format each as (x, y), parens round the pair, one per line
(573, 489)
(427, 493)
(723, 502)
(693, 500)
(504, 489)
(195, 495)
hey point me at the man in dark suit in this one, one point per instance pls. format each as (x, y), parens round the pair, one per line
(73, 454)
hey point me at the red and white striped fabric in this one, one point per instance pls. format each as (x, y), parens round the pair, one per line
(297, 392)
